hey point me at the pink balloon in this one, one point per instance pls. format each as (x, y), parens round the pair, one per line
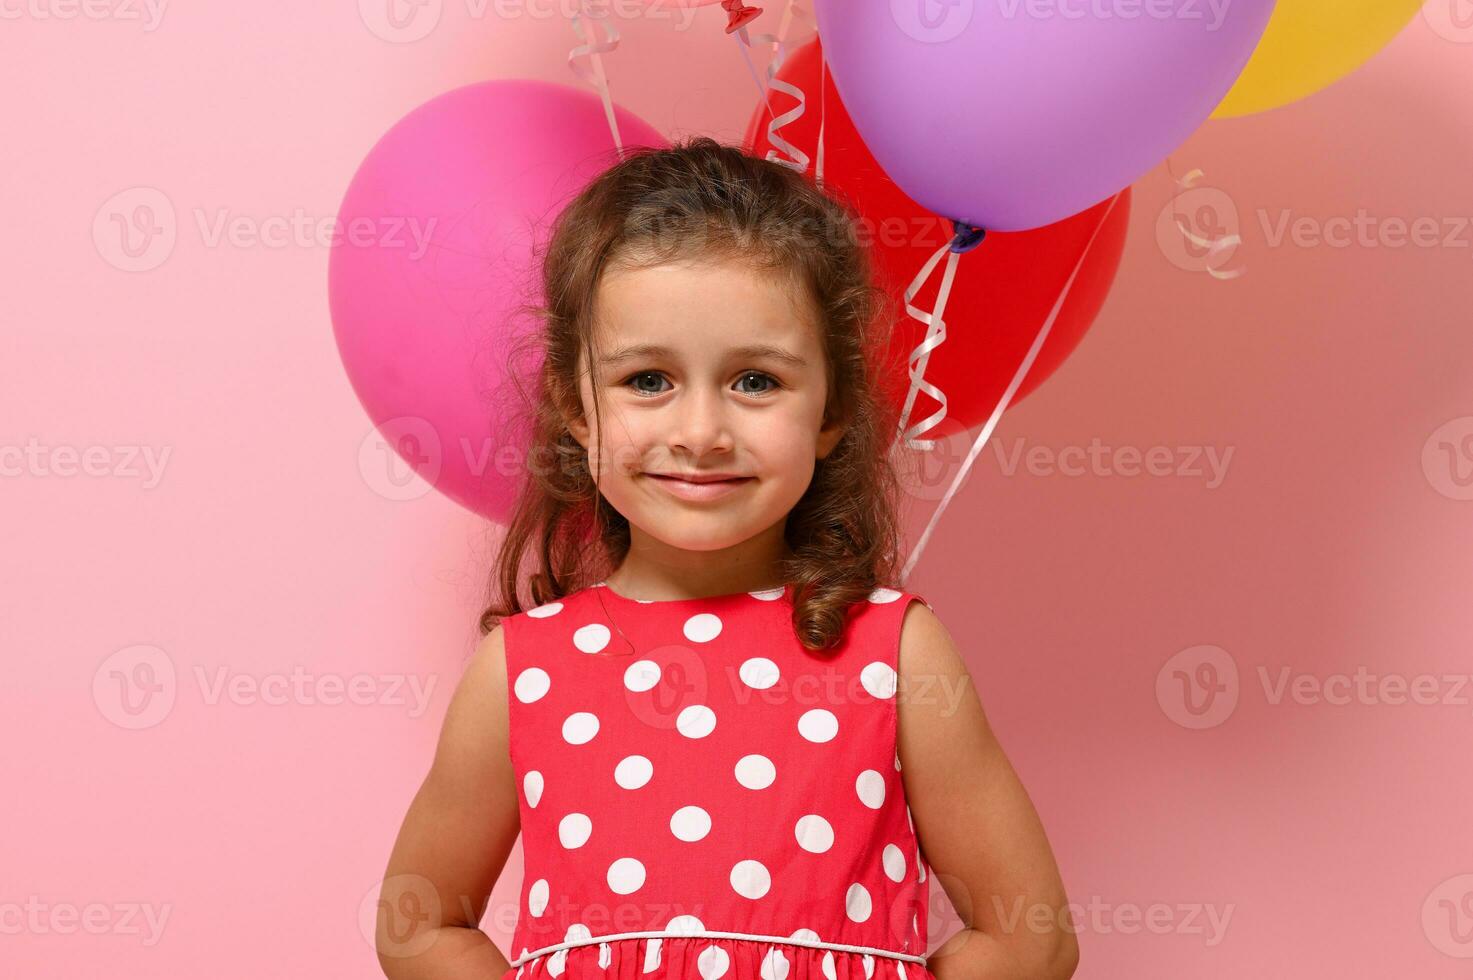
(435, 256)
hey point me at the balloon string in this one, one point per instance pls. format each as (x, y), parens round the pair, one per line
(1213, 245)
(935, 336)
(823, 114)
(966, 238)
(1007, 396)
(597, 13)
(797, 159)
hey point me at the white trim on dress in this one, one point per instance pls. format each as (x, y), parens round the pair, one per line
(787, 940)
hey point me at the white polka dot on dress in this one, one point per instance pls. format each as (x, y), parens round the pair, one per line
(871, 788)
(626, 875)
(580, 727)
(574, 830)
(755, 771)
(751, 879)
(814, 833)
(893, 860)
(690, 823)
(695, 721)
(713, 962)
(879, 680)
(633, 771)
(591, 638)
(642, 675)
(532, 786)
(537, 897)
(818, 725)
(759, 673)
(702, 628)
(531, 684)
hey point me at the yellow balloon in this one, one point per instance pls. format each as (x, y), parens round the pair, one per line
(1310, 44)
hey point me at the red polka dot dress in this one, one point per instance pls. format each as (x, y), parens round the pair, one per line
(703, 798)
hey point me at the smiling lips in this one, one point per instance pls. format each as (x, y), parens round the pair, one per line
(699, 486)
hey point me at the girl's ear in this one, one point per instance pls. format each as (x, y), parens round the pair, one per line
(829, 435)
(579, 428)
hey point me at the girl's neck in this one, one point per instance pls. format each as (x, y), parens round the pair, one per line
(653, 571)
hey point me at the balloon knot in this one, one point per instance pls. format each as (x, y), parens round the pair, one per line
(738, 14)
(967, 237)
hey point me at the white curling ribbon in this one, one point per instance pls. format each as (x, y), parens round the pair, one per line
(935, 336)
(823, 71)
(1213, 245)
(1007, 396)
(597, 12)
(797, 159)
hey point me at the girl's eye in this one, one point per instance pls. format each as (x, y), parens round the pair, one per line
(758, 374)
(633, 382)
(632, 379)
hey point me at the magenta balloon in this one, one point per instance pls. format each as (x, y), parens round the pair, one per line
(1014, 114)
(435, 255)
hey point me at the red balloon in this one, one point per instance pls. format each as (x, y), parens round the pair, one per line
(1003, 290)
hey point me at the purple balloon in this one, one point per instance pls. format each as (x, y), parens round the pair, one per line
(439, 227)
(1014, 114)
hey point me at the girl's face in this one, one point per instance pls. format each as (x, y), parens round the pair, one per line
(709, 369)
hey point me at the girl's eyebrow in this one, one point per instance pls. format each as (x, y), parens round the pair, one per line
(749, 351)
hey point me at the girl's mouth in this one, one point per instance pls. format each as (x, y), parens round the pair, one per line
(702, 491)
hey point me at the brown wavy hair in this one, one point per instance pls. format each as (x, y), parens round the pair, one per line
(701, 200)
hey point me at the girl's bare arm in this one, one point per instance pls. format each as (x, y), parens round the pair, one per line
(978, 829)
(455, 838)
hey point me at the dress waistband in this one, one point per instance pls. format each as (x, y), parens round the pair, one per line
(786, 940)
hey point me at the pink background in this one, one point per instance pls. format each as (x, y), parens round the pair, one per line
(1334, 835)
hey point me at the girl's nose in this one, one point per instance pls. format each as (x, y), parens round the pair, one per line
(700, 424)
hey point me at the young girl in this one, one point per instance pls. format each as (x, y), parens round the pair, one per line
(731, 747)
